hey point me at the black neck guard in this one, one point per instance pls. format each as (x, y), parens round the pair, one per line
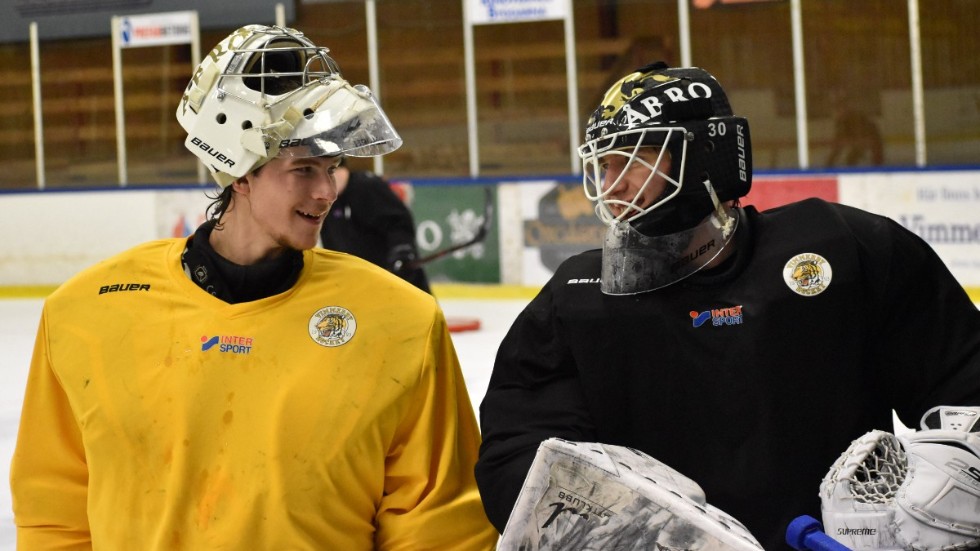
(232, 282)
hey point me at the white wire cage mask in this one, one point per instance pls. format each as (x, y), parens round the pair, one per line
(632, 262)
(603, 192)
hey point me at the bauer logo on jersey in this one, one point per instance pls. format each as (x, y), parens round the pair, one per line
(807, 274)
(332, 326)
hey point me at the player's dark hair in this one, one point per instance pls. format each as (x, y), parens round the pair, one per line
(220, 203)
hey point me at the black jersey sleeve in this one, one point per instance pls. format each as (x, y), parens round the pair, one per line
(926, 326)
(534, 394)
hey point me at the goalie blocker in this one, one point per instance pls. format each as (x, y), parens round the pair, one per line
(599, 496)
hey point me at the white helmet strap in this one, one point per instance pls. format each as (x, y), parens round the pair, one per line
(222, 178)
(202, 84)
(264, 141)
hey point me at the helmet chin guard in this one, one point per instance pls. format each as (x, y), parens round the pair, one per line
(634, 263)
(264, 92)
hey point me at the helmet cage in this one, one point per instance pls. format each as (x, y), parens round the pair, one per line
(685, 112)
(262, 70)
(667, 140)
(265, 92)
(716, 150)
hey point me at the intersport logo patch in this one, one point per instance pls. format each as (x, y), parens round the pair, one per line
(731, 315)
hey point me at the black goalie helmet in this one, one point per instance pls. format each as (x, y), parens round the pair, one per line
(677, 123)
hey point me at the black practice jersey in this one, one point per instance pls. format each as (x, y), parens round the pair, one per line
(750, 379)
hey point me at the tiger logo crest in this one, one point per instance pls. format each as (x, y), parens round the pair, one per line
(332, 326)
(807, 274)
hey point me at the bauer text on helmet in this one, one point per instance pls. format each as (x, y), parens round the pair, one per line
(264, 92)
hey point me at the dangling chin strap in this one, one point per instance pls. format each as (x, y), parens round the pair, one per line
(224, 180)
(721, 220)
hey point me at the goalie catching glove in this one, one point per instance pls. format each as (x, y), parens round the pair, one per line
(919, 492)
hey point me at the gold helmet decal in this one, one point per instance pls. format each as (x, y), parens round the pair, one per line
(807, 274)
(654, 95)
(626, 89)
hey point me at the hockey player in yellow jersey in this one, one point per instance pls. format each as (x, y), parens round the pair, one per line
(242, 389)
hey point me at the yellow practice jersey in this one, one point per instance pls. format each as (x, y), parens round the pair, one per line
(331, 416)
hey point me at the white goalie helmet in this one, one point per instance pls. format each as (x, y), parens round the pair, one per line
(266, 91)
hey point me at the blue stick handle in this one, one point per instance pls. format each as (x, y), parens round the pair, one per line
(805, 533)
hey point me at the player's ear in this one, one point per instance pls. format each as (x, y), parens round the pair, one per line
(240, 185)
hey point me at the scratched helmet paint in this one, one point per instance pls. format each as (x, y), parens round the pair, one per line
(264, 92)
(683, 113)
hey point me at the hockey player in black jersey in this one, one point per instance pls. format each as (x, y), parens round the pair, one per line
(744, 349)
(370, 221)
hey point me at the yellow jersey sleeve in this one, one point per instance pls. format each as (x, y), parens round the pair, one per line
(429, 481)
(51, 508)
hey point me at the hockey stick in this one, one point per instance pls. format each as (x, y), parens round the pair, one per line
(481, 233)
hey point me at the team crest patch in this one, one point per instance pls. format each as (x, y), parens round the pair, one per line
(808, 274)
(332, 326)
